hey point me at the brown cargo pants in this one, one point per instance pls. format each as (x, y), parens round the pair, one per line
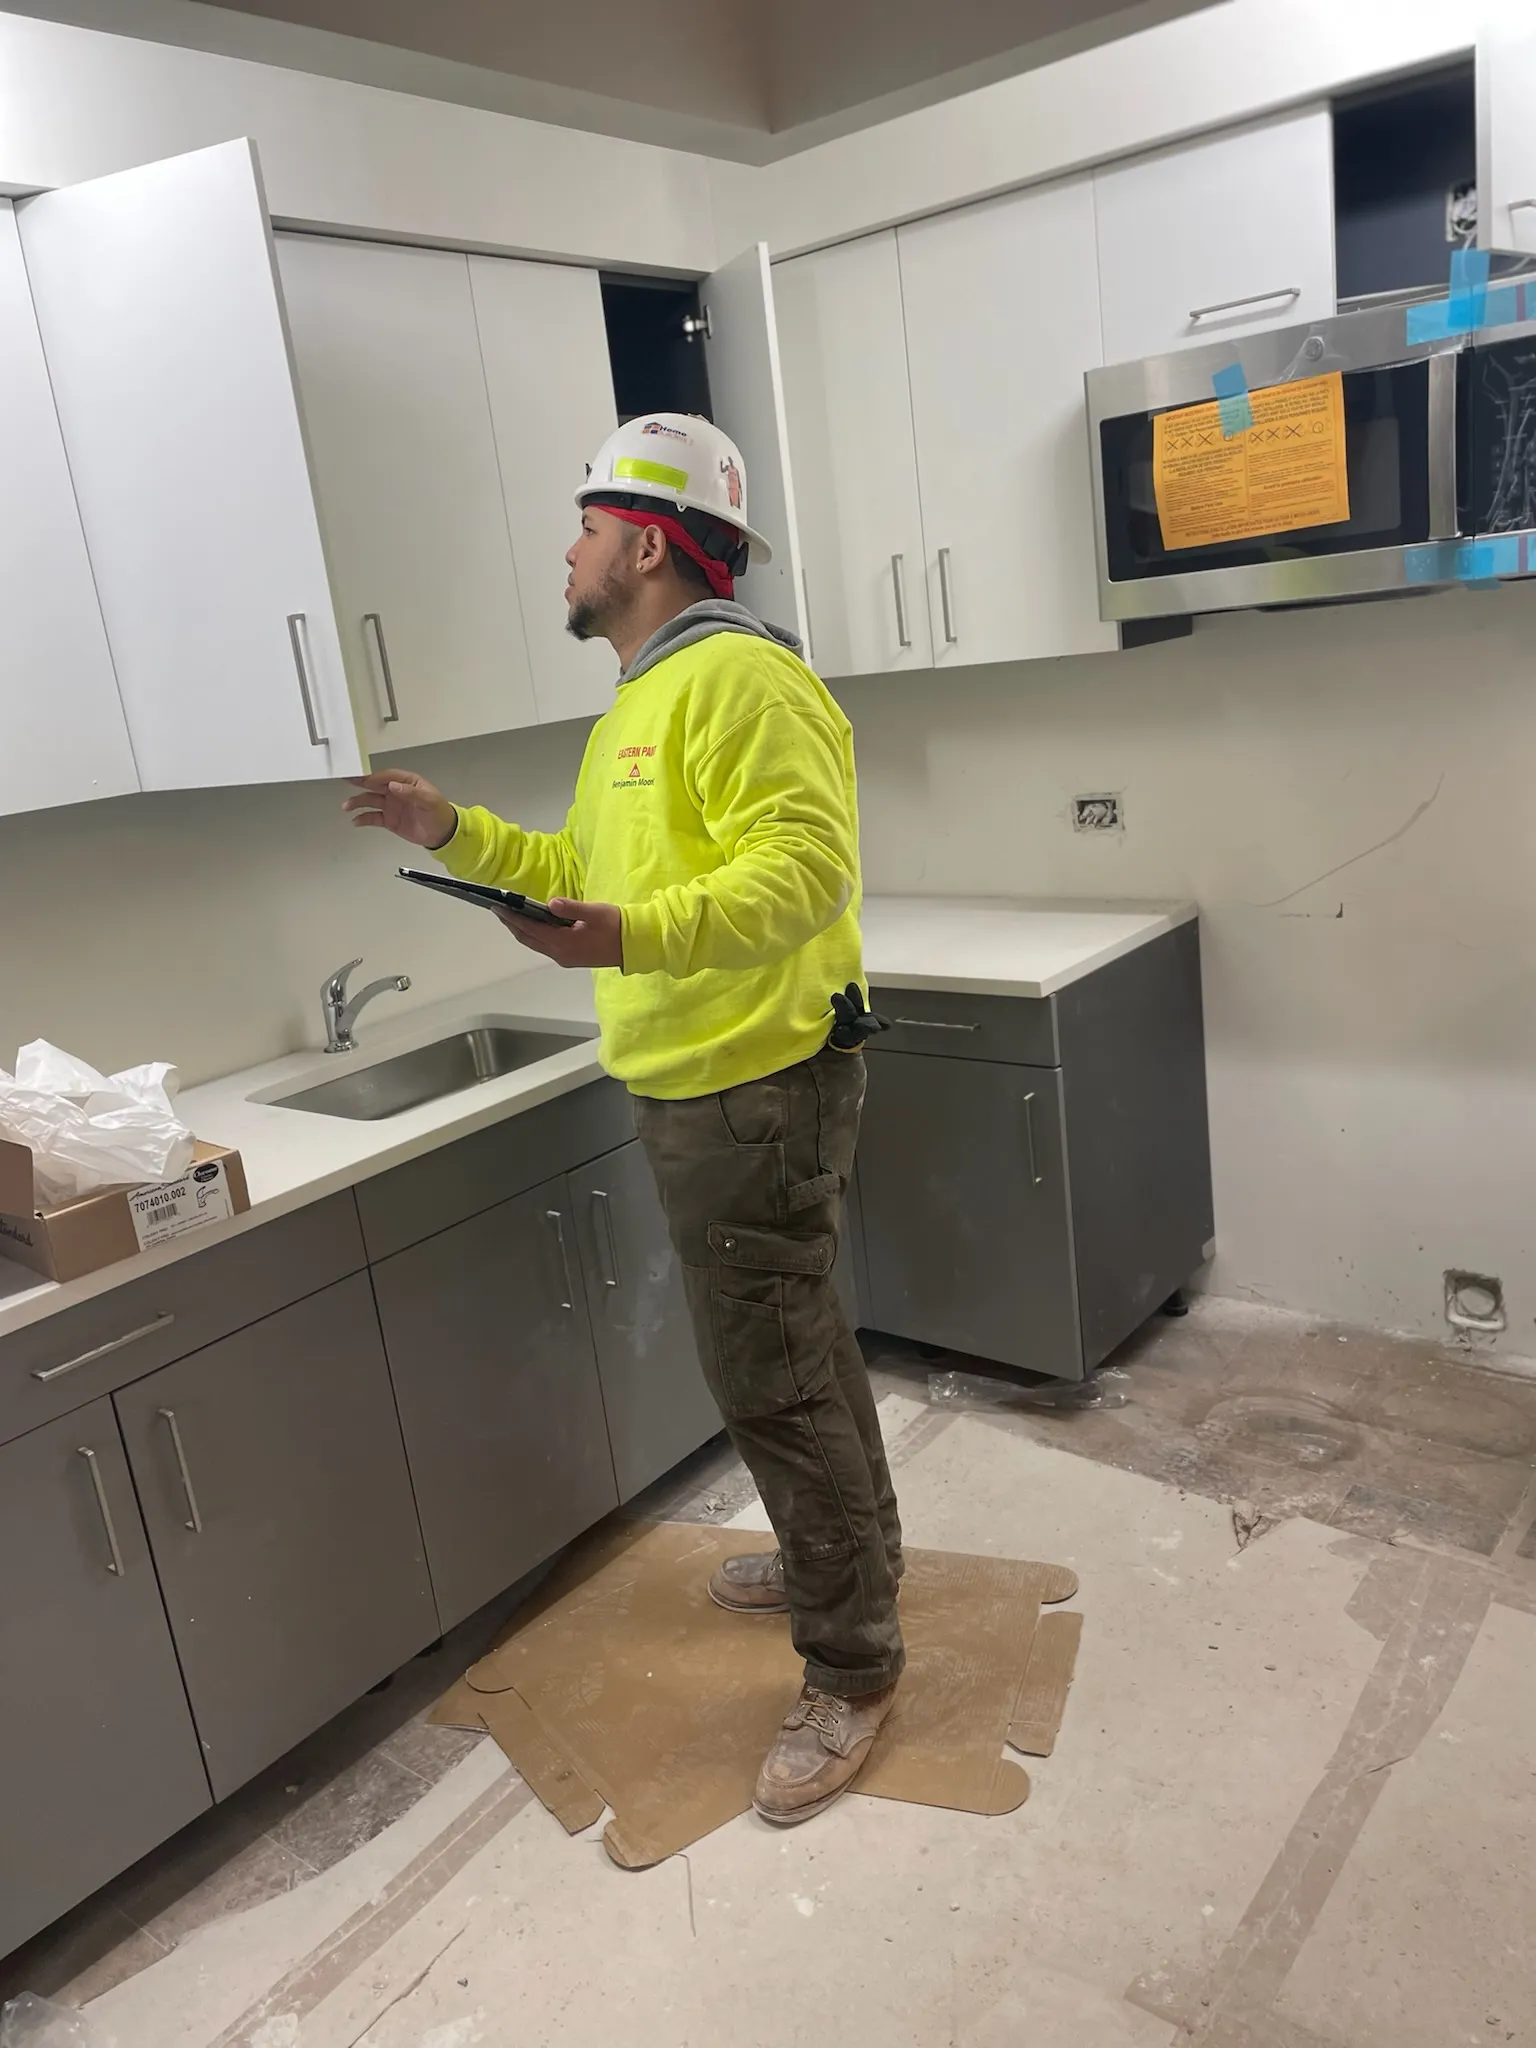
(753, 1181)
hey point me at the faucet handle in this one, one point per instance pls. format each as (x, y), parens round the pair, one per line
(334, 988)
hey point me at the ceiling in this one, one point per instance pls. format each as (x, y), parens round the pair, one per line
(753, 81)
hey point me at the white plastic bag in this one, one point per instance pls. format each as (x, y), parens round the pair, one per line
(89, 1131)
(33, 2022)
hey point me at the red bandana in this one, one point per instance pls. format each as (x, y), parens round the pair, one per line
(721, 581)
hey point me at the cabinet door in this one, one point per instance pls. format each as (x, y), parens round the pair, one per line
(66, 738)
(842, 342)
(658, 1407)
(494, 1371)
(410, 496)
(967, 1232)
(98, 1759)
(1217, 239)
(162, 323)
(545, 351)
(746, 393)
(1506, 138)
(275, 1490)
(1002, 305)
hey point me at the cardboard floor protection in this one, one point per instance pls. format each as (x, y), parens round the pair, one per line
(624, 1686)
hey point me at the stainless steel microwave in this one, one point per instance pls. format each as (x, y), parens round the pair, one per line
(1433, 453)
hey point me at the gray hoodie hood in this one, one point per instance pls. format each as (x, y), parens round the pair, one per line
(702, 621)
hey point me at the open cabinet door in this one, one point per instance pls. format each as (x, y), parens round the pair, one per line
(162, 323)
(747, 397)
(1506, 137)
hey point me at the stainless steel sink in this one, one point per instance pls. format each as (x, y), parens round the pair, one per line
(365, 1094)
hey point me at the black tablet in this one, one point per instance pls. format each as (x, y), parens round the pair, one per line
(487, 897)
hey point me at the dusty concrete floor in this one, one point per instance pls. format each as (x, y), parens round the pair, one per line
(1293, 1804)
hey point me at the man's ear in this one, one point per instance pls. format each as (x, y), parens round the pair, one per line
(652, 552)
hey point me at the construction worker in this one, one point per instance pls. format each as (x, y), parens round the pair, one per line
(710, 870)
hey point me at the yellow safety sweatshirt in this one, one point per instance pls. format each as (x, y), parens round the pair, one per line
(716, 805)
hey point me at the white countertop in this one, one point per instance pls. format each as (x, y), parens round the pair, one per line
(965, 945)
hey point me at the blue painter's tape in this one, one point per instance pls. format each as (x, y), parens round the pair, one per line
(1231, 389)
(1469, 287)
(1464, 561)
(1428, 322)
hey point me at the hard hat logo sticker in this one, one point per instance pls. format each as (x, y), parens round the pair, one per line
(732, 477)
(660, 427)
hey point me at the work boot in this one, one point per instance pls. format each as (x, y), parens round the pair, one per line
(751, 1584)
(819, 1752)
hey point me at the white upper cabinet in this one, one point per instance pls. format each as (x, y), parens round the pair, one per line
(1506, 138)
(842, 343)
(162, 324)
(545, 350)
(399, 429)
(746, 391)
(1002, 320)
(1216, 239)
(63, 736)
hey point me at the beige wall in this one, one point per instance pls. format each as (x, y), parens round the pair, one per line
(199, 927)
(1372, 1075)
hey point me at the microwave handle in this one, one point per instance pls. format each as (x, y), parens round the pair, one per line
(1442, 445)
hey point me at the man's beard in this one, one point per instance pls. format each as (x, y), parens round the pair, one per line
(583, 619)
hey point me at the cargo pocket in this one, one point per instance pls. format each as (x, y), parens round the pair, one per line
(767, 1343)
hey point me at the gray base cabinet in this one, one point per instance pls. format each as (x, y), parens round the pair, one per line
(275, 1491)
(658, 1407)
(98, 1758)
(1034, 1174)
(497, 1381)
(967, 1238)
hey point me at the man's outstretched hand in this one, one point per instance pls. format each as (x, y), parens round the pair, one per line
(595, 938)
(403, 803)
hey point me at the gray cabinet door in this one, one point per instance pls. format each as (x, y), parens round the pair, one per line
(491, 1352)
(275, 1491)
(967, 1230)
(98, 1758)
(659, 1409)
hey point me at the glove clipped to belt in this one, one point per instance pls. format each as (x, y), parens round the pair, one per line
(852, 1020)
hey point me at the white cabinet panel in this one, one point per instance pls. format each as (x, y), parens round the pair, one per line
(162, 323)
(842, 343)
(1245, 217)
(1002, 314)
(399, 430)
(746, 394)
(1506, 138)
(545, 350)
(63, 736)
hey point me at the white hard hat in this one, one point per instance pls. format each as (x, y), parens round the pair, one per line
(678, 460)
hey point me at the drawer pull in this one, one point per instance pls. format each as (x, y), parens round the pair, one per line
(55, 1372)
(933, 1024)
(116, 1565)
(1284, 291)
(194, 1519)
(1029, 1133)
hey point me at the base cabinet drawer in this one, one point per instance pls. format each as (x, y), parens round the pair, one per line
(98, 1757)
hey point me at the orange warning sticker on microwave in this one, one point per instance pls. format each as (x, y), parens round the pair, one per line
(1288, 470)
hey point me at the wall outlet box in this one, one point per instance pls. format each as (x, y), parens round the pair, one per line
(1098, 814)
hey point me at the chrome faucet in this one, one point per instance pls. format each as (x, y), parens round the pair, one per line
(340, 1014)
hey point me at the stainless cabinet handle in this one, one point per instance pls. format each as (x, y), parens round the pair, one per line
(1284, 291)
(1444, 518)
(604, 1215)
(55, 1372)
(932, 1024)
(1029, 1133)
(296, 626)
(553, 1216)
(1516, 204)
(392, 715)
(899, 585)
(116, 1565)
(946, 599)
(194, 1520)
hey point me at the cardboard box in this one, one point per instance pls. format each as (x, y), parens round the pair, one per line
(117, 1223)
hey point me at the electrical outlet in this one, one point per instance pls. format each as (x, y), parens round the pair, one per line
(1475, 1301)
(1097, 814)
